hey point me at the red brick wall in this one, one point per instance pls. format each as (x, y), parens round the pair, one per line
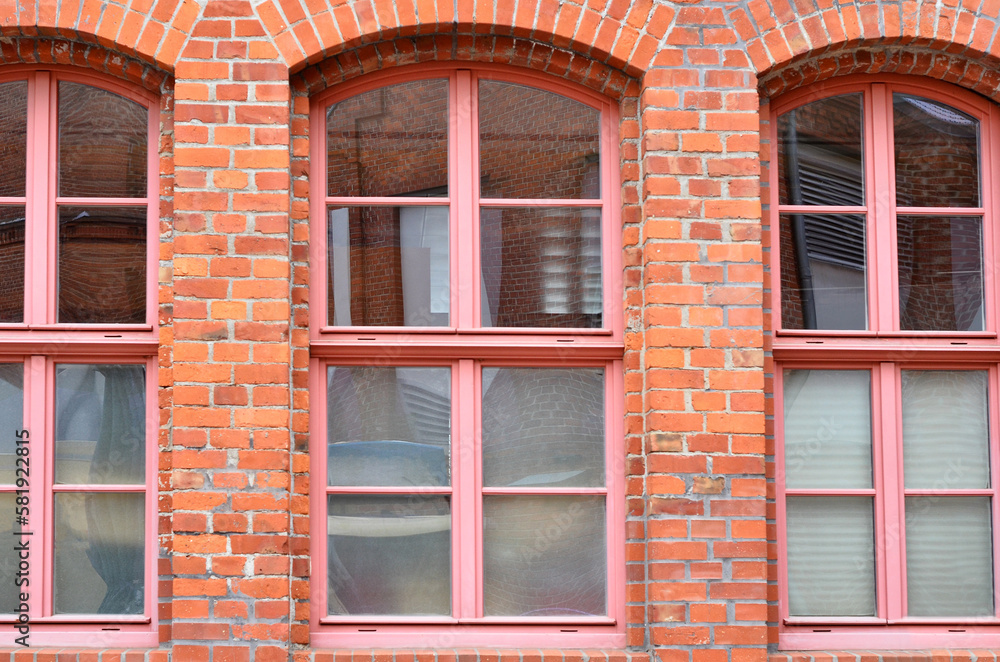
(234, 272)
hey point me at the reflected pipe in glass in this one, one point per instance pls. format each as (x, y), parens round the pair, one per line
(799, 226)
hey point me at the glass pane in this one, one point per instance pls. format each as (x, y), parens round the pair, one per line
(820, 153)
(100, 553)
(102, 265)
(388, 266)
(537, 144)
(831, 556)
(937, 154)
(940, 273)
(541, 267)
(828, 429)
(945, 429)
(11, 421)
(544, 556)
(823, 283)
(388, 426)
(390, 141)
(13, 137)
(949, 556)
(100, 424)
(389, 555)
(543, 427)
(9, 560)
(102, 143)
(12, 264)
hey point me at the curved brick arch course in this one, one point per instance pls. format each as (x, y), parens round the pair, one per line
(153, 32)
(624, 36)
(789, 47)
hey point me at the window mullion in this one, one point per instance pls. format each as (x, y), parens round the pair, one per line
(38, 201)
(993, 411)
(464, 197)
(880, 198)
(465, 490)
(889, 490)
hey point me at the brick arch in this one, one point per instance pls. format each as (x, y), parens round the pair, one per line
(48, 51)
(153, 33)
(617, 37)
(981, 75)
(482, 48)
(919, 38)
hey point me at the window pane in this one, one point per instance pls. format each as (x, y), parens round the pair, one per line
(945, 429)
(388, 426)
(949, 556)
(537, 144)
(940, 273)
(388, 266)
(828, 429)
(831, 556)
(102, 143)
(820, 154)
(823, 272)
(100, 424)
(389, 555)
(11, 421)
(9, 557)
(937, 154)
(390, 141)
(543, 427)
(102, 265)
(100, 553)
(12, 264)
(13, 137)
(544, 556)
(541, 267)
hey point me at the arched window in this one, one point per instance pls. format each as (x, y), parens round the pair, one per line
(78, 235)
(466, 362)
(886, 355)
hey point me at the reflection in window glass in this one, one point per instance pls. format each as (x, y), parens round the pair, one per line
(13, 137)
(97, 157)
(12, 263)
(389, 555)
(536, 144)
(544, 556)
(11, 419)
(388, 266)
(940, 273)
(543, 427)
(820, 154)
(936, 152)
(390, 141)
(100, 421)
(823, 271)
(102, 265)
(541, 267)
(388, 426)
(99, 553)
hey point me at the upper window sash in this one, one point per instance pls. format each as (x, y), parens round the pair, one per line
(67, 208)
(446, 221)
(849, 216)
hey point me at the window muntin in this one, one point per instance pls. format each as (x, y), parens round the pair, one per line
(78, 353)
(885, 421)
(453, 257)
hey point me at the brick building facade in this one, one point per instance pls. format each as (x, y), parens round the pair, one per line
(696, 512)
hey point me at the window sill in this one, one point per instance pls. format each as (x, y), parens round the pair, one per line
(917, 655)
(476, 655)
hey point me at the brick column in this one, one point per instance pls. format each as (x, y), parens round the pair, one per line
(703, 360)
(231, 343)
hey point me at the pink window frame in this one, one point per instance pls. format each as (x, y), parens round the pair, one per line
(885, 351)
(40, 342)
(465, 347)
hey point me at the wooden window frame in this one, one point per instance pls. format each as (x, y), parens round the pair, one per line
(40, 342)
(466, 347)
(886, 351)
